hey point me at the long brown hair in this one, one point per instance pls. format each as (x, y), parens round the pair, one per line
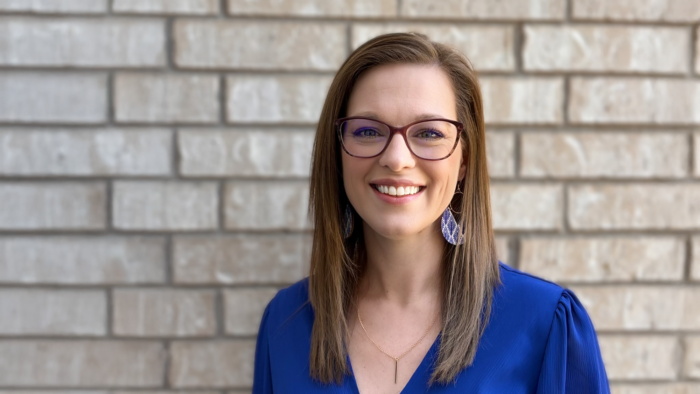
(470, 270)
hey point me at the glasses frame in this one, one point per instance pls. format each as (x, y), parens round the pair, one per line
(398, 130)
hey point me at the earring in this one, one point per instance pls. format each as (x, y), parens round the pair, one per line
(348, 224)
(450, 228)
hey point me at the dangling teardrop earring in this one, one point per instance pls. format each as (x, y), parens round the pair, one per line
(451, 230)
(348, 224)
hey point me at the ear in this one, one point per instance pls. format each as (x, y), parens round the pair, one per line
(462, 171)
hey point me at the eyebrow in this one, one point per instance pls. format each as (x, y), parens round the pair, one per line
(373, 115)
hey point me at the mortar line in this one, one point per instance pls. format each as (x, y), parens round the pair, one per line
(166, 362)
(688, 263)
(168, 260)
(514, 251)
(518, 47)
(221, 98)
(689, 160)
(169, 44)
(219, 313)
(109, 298)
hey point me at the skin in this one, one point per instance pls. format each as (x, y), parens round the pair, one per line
(399, 294)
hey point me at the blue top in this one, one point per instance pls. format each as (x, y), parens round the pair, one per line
(539, 340)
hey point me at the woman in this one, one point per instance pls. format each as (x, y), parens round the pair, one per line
(405, 292)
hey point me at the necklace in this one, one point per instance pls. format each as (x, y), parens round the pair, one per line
(395, 358)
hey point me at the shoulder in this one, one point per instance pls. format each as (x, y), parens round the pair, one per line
(531, 300)
(288, 305)
(528, 287)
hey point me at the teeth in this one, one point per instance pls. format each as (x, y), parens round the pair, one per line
(398, 191)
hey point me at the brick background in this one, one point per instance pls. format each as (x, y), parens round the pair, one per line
(154, 164)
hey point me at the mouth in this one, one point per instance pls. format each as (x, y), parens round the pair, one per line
(398, 191)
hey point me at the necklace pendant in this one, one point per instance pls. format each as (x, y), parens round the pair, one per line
(396, 369)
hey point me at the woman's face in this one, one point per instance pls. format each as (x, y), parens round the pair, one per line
(399, 94)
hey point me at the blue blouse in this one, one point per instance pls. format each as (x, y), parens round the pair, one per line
(539, 340)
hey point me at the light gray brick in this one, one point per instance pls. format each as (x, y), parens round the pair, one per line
(166, 98)
(338, 8)
(163, 205)
(640, 357)
(500, 154)
(695, 263)
(275, 99)
(244, 309)
(280, 205)
(82, 260)
(52, 206)
(164, 312)
(604, 155)
(41, 363)
(655, 388)
(637, 308)
(54, 6)
(39, 97)
(606, 49)
(526, 207)
(212, 364)
(288, 45)
(596, 259)
(52, 312)
(487, 47)
(241, 259)
(485, 9)
(691, 364)
(245, 153)
(527, 101)
(179, 7)
(634, 206)
(604, 100)
(91, 152)
(81, 42)
(637, 10)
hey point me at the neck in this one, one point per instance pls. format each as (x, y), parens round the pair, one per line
(406, 271)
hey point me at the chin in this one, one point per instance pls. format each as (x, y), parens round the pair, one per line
(395, 231)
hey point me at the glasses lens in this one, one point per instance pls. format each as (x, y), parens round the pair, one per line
(433, 139)
(363, 137)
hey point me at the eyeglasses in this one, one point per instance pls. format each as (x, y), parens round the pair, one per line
(431, 139)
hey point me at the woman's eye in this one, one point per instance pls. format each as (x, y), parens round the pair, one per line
(429, 134)
(365, 132)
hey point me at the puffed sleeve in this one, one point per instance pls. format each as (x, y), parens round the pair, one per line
(262, 379)
(572, 363)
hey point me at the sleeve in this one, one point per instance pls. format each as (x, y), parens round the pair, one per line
(572, 362)
(262, 377)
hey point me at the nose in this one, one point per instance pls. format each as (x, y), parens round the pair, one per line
(397, 156)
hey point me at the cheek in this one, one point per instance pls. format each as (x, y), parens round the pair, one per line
(353, 170)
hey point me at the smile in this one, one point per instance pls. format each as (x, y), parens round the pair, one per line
(397, 191)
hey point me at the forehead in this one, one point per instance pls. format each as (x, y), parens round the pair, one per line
(402, 93)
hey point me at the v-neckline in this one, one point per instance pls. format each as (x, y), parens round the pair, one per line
(427, 359)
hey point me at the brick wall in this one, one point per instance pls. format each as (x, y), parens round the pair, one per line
(154, 164)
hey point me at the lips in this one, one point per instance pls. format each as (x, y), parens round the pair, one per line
(397, 191)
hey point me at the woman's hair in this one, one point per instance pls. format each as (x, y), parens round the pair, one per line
(470, 270)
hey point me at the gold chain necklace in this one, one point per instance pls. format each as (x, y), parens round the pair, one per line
(396, 359)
